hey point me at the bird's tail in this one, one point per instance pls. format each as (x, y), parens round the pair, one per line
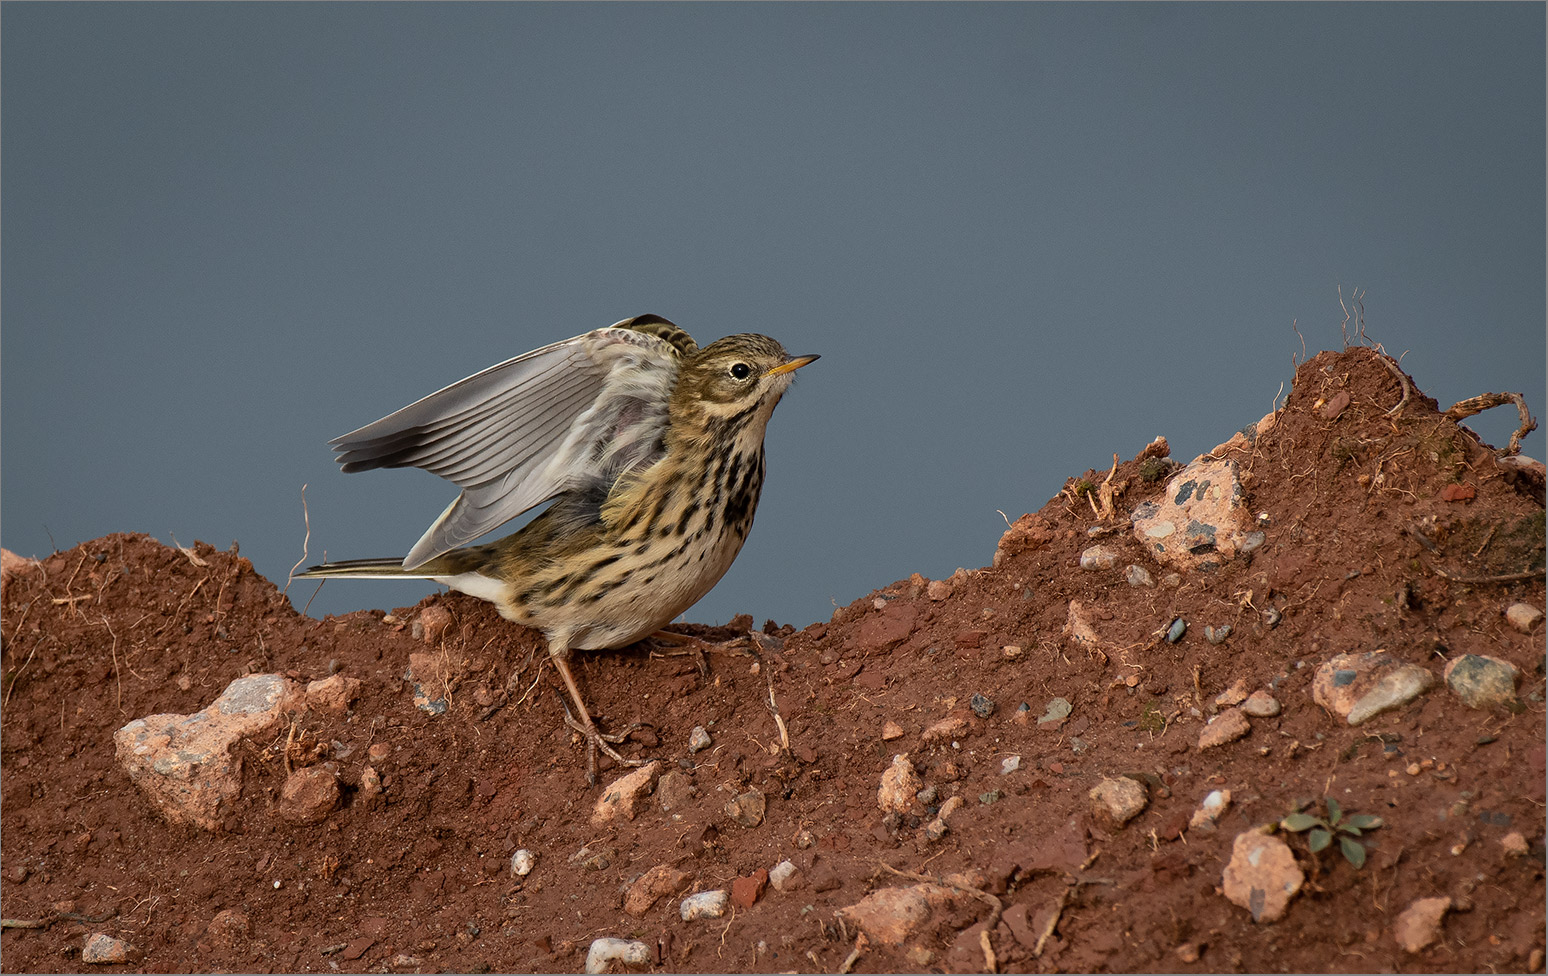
(368, 569)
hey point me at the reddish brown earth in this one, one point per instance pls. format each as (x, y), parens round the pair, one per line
(1358, 534)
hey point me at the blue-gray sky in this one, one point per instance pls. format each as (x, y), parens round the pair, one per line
(1022, 237)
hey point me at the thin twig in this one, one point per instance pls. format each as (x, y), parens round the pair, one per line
(305, 541)
(1531, 574)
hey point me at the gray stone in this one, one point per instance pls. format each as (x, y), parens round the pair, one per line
(785, 876)
(982, 705)
(1262, 876)
(698, 739)
(1175, 632)
(674, 790)
(705, 904)
(1138, 576)
(1098, 557)
(1217, 635)
(1261, 704)
(1523, 616)
(1482, 681)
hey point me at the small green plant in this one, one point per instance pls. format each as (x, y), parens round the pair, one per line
(1322, 831)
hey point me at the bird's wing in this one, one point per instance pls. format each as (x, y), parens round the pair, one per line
(569, 416)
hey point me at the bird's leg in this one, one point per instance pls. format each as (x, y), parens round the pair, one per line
(595, 739)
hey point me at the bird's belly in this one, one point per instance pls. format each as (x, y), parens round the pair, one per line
(665, 583)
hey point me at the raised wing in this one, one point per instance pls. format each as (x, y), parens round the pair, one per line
(564, 417)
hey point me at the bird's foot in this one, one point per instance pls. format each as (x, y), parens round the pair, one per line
(597, 739)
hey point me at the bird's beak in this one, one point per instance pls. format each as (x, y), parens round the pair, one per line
(792, 365)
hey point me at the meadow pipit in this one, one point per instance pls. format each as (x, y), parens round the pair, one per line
(651, 450)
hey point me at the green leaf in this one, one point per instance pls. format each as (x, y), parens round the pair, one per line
(1365, 821)
(1347, 829)
(1334, 811)
(1319, 839)
(1354, 851)
(1298, 822)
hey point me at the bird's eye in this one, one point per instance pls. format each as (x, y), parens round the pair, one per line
(741, 370)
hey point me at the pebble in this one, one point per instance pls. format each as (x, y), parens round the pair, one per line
(625, 952)
(650, 887)
(1217, 635)
(1011, 652)
(900, 787)
(104, 950)
(1200, 520)
(1187, 952)
(1056, 711)
(1009, 765)
(745, 892)
(1261, 704)
(378, 752)
(1118, 799)
(891, 731)
(1171, 580)
(1482, 681)
(674, 790)
(1138, 576)
(624, 797)
(1523, 616)
(947, 728)
(309, 795)
(748, 808)
(1420, 923)
(432, 623)
(699, 739)
(333, 694)
(1175, 632)
(785, 876)
(927, 795)
(522, 863)
(891, 916)
(427, 673)
(982, 705)
(1359, 687)
(705, 904)
(938, 590)
(1234, 695)
(1262, 876)
(1515, 844)
(1098, 557)
(1215, 804)
(1077, 626)
(1228, 726)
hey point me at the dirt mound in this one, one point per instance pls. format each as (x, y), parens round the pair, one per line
(373, 826)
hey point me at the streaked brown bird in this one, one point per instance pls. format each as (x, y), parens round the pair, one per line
(651, 450)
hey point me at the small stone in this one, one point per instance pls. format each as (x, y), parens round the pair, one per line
(434, 622)
(1262, 876)
(1118, 799)
(1359, 687)
(1009, 765)
(625, 952)
(1138, 576)
(1523, 616)
(947, 728)
(18, 874)
(230, 928)
(104, 950)
(378, 752)
(652, 886)
(745, 892)
(1420, 923)
(699, 739)
(748, 808)
(992, 796)
(982, 705)
(1335, 406)
(405, 961)
(1515, 844)
(309, 795)
(1210, 810)
(674, 790)
(624, 797)
(900, 787)
(890, 916)
(1228, 726)
(427, 672)
(1171, 580)
(1458, 493)
(1217, 635)
(1261, 704)
(1056, 711)
(950, 807)
(522, 863)
(804, 839)
(890, 731)
(919, 957)
(1098, 557)
(1077, 626)
(1175, 632)
(927, 795)
(785, 876)
(1482, 681)
(938, 590)
(370, 786)
(1234, 695)
(1200, 520)
(333, 694)
(1187, 952)
(704, 904)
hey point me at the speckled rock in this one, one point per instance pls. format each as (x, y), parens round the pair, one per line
(1200, 521)
(625, 796)
(900, 786)
(1262, 876)
(1118, 800)
(183, 763)
(1358, 687)
(104, 950)
(1481, 681)
(747, 809)
(1098, 557)
(704, 904)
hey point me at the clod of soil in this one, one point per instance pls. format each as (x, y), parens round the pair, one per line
(375, 818)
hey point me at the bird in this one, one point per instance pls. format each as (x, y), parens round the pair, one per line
(650, 452)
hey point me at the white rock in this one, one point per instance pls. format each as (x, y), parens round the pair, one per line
(1523, 616)
(522, 863)
(1009, 765)
(784, 876)
(604, 952)
(1262, 876)
(705, 904)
